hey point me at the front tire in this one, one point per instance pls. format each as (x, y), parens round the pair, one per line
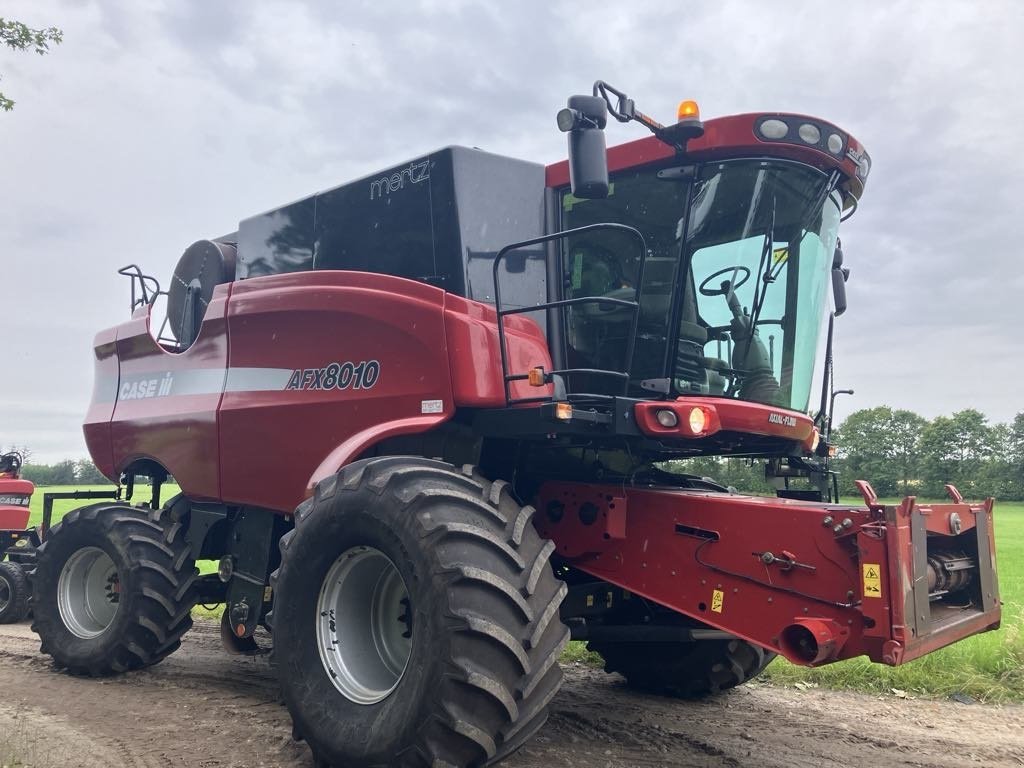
(415, 618)
(14, 593)
(114, 589)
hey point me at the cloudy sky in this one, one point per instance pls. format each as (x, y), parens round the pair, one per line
(159, 122)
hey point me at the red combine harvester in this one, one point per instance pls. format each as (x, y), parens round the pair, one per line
(16, 540)
(426, 423)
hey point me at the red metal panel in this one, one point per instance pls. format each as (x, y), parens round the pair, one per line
(101, 408)
(14, 499)
(473, 348)
(167, 403)
(896, 623)
(280, 422)
(724, 414)
(816, 582)
(13, 518)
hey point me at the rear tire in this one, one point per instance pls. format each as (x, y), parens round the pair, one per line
(460, 559)
(114, 589)
(14, 593)
(684, 669)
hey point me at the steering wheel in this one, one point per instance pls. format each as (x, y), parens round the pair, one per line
(723, 289)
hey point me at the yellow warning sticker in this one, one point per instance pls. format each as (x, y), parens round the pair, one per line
(717, 598)
(872, 580)
(779, 255)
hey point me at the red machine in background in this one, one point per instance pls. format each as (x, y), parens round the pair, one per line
(426, 422)
(15, 538)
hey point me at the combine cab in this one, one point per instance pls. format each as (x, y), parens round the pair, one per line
(427, 423)
(16, 540)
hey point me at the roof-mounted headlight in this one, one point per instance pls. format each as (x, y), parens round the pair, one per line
(774, 129)
(802, 132)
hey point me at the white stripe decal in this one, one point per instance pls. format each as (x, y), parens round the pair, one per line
(257, 379)
(196, 381)
(190, 381)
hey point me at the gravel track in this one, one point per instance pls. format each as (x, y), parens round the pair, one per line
(204, 708)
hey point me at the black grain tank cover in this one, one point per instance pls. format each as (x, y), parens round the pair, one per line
(439, 219)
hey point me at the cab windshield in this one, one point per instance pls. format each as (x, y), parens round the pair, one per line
(734, 283)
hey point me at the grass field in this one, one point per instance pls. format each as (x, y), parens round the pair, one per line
(988, 667)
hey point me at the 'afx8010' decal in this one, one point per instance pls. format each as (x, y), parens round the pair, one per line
(362, 375)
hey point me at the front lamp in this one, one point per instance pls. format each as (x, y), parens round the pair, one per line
(697, 420)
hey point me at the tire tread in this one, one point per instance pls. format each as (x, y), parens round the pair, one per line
(504, 672)
(161, 582)
(18, 583)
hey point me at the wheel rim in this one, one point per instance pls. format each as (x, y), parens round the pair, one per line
(364, 625)
(6, 593)
(88, 593)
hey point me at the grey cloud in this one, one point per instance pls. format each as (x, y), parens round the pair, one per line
(158, 123)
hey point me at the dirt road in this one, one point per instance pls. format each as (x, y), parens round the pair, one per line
(206, 709)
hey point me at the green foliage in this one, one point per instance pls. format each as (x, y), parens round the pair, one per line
(61, 473)
(86, 472)
(1010, 465)
(576, 653)
(883, 446)
(20, 37)
(743, 474)
(901, 453)
(954, 450)
(65, 472)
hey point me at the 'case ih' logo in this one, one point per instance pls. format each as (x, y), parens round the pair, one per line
(13, 501)
(414, 174)
(146, 388)
(778, 418)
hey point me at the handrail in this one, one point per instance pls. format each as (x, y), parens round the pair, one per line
(601, 300)
(134, 272)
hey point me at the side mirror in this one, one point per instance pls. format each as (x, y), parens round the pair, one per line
(840, 275)
(584, 120)
(515, 262)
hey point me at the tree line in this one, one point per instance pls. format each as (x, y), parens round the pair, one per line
(67, 472)
(902, 453)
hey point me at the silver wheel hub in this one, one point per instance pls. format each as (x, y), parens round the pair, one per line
(364, 625)
(88, 593)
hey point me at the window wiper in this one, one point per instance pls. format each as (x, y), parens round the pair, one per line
(771, 271)
(765, 275)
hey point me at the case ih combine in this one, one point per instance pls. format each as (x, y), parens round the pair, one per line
(422, 421)
(17, 542)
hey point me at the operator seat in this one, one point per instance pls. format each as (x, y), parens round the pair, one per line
(203, 266)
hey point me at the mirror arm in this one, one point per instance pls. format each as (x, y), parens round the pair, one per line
(625, 110)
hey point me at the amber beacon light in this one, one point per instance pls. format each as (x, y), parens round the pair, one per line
(688, 110)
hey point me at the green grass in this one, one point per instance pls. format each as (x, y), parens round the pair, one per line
(576, 653)
(988, 667)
